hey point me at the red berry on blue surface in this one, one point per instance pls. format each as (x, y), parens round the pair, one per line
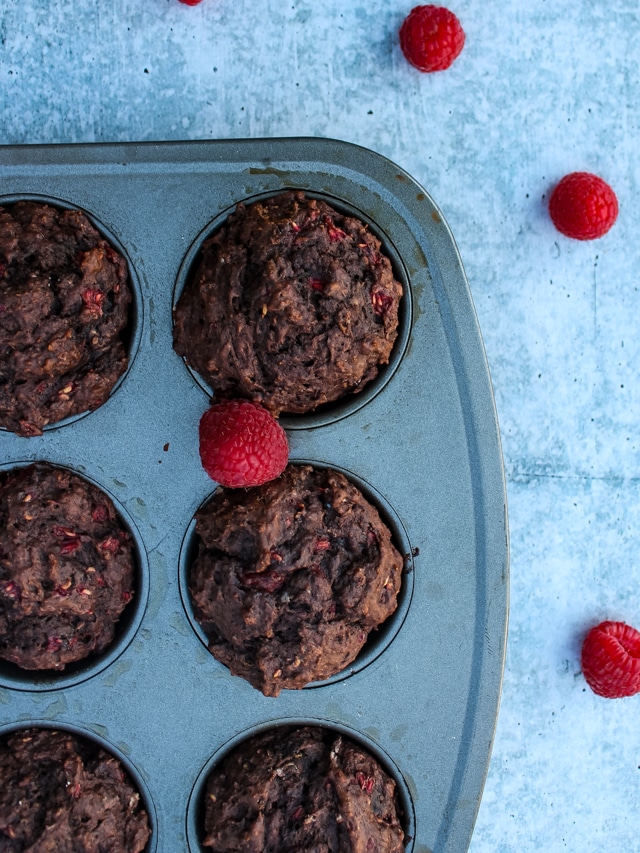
(431, 37)
(583, 206)
(611, 660)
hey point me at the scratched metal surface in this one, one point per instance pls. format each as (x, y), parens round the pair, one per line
(425, 446)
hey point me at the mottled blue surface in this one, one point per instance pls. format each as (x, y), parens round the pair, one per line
(541, 89)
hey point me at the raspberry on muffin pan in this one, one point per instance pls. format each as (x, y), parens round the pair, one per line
(241, 444)
(293, 305)
(64, 302)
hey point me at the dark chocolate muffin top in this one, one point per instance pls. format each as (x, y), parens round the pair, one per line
(63, 303)
(64, 794)
(66, 568)
(292, 576)
(301, 789)
(293, 305)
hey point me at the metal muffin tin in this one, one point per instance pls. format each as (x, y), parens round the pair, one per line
(423, 442)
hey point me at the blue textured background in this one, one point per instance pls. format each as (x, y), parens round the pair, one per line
(542, 88)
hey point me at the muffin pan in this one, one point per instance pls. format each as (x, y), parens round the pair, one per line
(422, 441)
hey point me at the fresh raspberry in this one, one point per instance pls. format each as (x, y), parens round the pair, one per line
(190, 2)
(431, 37)
(611, 660)
(583, 206)
(241, 444)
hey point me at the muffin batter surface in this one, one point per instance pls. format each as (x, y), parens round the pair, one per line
(64, 794)
(292, 577)
(63, 304)
(302, 789)
(66, 568)
(293, 305)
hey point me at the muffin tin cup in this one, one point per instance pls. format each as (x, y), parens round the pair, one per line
(196, 806)
(132, 334)
(423, 444)
(17, 678)
(378, 640)
(102, 743)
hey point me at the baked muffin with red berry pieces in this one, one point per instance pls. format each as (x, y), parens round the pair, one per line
(64, 304)
(66, 568)
(63, 792)
(293, 305)
(301, 788)
(292, 577)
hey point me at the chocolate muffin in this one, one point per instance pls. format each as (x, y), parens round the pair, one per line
(66, 568)
(291, 577)
(293, 305)
(63, 304)
(304, 789)
(62, 793)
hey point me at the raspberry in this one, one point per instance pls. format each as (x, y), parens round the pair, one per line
(190, 2)
(611, 660)
(583, 206)
(431, 37)
(241, 444)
